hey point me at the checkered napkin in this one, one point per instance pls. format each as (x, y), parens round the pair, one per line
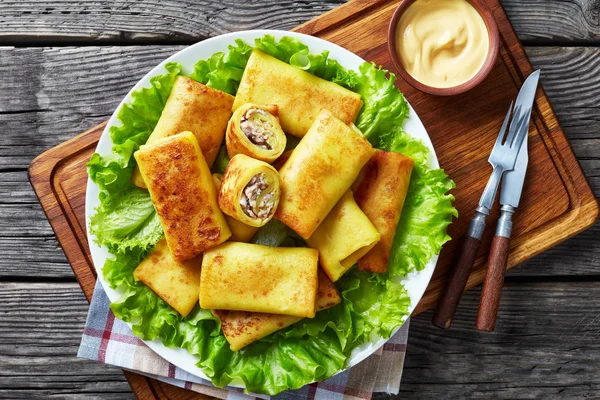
(109, 340)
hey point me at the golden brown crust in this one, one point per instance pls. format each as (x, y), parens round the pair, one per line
(240, 232)
(251, 277)
(299, 95)
(183, 194)
(240, 170)
(197, 108)
(344, 236)
(173, 281)
(319, 171)
(242, 328)
(238, 143)
(380, 193)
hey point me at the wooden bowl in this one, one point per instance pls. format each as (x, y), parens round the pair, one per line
(486, 68)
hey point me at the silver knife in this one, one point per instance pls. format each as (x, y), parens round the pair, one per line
(503, 158)
(510, 195)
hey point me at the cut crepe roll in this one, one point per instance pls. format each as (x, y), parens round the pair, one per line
(173, 281)
(380, 192)
(319, 171)
(197, 108)
(254, 130)
(242, 328)
(240, 232)
(249, 191)
(251, 277)
(343, 238)
(183, 194)
(299, 95)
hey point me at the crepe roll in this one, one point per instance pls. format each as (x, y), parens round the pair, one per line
(250, 277)
(380, 192)
(241, 328)
(249, 191)
(173, 281)
(319, 171)
(255, 131)
(343, 238)
(183, 194)
(197, 108)
(240, 232)
(298, 94)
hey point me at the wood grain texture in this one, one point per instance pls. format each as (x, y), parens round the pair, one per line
(457, 278)
(186, 22)
(545, 346)
(36, 121)
(40, 331)
(166, 21)
(538, 355)
(491, 292)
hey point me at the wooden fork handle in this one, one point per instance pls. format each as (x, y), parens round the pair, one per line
(457, 281)
(492, 286)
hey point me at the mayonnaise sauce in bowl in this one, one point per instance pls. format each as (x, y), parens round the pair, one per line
(443, 44)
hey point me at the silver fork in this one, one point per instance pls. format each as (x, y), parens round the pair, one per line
(502, 159)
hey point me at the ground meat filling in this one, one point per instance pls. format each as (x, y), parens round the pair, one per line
(253, 202)
(257, 128)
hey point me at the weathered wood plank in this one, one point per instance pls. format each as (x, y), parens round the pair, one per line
(545, 343)
(164, 21)
(26, 220)
(555, 21)
(40, 331)
(35, 257)
(545, 346)
(15, 188)
(112, 22)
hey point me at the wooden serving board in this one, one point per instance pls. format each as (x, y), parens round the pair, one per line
(557, 201)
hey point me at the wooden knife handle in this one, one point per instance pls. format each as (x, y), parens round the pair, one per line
(456, 283)
(492, 287)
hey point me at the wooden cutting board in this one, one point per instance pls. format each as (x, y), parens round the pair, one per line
(557, 201)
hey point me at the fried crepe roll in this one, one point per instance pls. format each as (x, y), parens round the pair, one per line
(240, 232)
(319, 171)
(173, 281)
(242, 328)
(249, 191)
(380, 192)
(183, 194)
(345, 235)
(251, 277)
(197, 108)
(298, 94)
(254, 130)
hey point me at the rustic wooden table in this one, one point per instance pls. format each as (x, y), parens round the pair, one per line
(65, 65)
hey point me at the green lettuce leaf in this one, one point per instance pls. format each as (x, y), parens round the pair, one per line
(312, 349)
(125, 221)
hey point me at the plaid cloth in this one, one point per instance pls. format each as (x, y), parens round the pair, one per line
(109, 340)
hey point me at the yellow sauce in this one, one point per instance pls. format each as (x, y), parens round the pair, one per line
(442, 43)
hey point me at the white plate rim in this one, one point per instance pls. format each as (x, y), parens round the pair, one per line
(415, 283)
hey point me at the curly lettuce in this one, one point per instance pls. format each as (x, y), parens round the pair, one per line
(312, 349)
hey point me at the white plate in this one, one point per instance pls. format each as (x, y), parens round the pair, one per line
(415, 283)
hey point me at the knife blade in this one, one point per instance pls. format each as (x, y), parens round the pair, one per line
(510, 196)
(512, 183)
